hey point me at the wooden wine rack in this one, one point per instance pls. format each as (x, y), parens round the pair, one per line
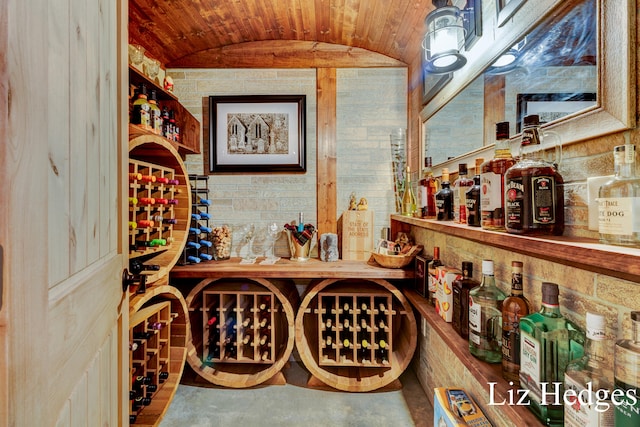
(149, 212)
(362, 320)
(153, 156)
(355, 368)
(242, 330)
(161, 313)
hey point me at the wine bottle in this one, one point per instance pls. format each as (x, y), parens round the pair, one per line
(472, 198)
(408, 197)
(364, 351)
(428, 187)
(193, 245)
(134, 176)
(205, 257)
(432, 275)
(460, 187)
(155, 115)
(444, 199)
(627, 376)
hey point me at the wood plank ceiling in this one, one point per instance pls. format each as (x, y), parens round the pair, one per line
(232, 33)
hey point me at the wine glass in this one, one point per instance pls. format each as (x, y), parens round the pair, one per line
(246, 236)
(273, 234)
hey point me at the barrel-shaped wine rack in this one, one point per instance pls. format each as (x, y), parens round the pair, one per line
(242, 330)
(355, 335)
(159, 205)
(159, 331)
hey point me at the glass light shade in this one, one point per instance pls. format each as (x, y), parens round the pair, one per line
(444, 40)
(506, 59)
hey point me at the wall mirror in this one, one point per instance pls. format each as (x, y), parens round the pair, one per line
(559, 72)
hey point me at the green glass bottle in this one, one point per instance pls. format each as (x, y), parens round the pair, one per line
(485, 317)
(586, 381)
(627, 376)
(548, 343)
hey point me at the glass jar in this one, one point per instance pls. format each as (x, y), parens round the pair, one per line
(221, 239)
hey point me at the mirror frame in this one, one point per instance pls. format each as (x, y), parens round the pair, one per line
(616, 101)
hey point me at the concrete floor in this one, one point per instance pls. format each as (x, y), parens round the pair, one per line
(199, 404)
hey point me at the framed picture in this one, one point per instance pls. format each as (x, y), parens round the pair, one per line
(261, 133)
(506, 9)
(432, 84)
(551, 106)
(420, 276)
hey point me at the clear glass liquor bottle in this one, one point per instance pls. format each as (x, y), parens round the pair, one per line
(485, 311)
(585, 377)
(514, 307)
(548, 343)
(627, 376)
(460, 187)
(492, 181)
(444, 199)
(619, 201)
(428, 187)
(461, 289)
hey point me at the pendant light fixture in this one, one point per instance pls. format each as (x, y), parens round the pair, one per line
(445, 39)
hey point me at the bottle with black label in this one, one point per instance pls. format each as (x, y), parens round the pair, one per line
(444, 199)
(473, 198)
(534, 198)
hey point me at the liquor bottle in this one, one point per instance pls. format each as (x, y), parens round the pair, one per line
(444, 199)
(548, 343)
(172, 125)
(461, 289)
(155, 115)
(472, 198)
(586, 377)
(432, 275)
(460, 187)
(485, 310)
(627, 376)
(619, 201)
(166, 124)
(140, 114)
(534, 198)
(492, 181)
(408, 198)
(514, 307)
(428, 186)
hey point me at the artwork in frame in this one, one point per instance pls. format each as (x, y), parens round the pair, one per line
(551, 106)
(257, 133)
(506, 9)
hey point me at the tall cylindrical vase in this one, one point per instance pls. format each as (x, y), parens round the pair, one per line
(398, 139)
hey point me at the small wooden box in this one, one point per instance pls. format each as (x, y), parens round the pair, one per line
(355, 231)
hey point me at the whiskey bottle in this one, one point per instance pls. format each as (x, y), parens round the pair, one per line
(548, 343)
(585, 404)
(485, 310)
(427, 189)
(627, 376)
(472, 198)
(514, 307)
(461, 289)
(619, 201)
(534, 197)
(432, 275)
(155, 115)
(408, 197)
(492, 181)
(460, 187)
(444, 199)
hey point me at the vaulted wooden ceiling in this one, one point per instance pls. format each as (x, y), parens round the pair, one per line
(265, 33)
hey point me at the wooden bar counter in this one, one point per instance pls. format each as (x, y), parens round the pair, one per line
(285, 268)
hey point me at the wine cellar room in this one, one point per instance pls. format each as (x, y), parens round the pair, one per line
(362, 213)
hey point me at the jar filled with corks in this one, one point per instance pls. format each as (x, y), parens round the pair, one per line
(221, 238)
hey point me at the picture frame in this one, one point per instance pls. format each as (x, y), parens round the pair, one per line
(551, 106)
(432, 84)
(506, 9)
(421, 285)
(257, 133)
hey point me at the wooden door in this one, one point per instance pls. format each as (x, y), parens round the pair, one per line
(63, 315)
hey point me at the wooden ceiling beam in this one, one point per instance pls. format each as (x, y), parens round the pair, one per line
(285, 54)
